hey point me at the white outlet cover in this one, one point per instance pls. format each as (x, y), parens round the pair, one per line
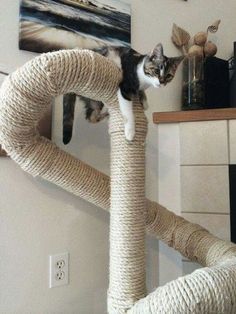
(58, 270)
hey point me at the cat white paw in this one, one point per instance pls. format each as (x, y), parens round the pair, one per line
(129, 133)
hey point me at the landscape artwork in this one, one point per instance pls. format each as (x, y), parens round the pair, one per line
(48, 25)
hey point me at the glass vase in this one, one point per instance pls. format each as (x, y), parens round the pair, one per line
(193, 90)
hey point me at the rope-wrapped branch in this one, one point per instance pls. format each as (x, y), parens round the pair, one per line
(24, 98)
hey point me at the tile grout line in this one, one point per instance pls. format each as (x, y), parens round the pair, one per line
(204, 165)
(206, 213)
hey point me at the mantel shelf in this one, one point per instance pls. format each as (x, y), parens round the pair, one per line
(194, 115)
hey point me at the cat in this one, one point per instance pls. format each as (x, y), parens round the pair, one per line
(139, 72)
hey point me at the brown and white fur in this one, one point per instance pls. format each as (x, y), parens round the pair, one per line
(139, 73)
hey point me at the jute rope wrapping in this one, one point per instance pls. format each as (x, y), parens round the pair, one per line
(206, 291)
(27, 93)
(25, 96)
(127, 215)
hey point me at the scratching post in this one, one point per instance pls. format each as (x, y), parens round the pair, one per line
(24, 98)
(127, 213)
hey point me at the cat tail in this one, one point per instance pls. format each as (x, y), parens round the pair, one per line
(68, 116)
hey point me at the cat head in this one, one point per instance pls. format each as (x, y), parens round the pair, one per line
(159, 69)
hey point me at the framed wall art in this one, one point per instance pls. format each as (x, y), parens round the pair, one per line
(48, 25)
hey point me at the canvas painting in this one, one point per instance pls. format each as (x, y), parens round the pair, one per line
(47, 25)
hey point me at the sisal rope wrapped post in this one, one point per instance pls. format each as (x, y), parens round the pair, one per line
(127, 216)
(24, 98)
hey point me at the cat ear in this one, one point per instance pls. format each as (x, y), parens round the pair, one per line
(175, 62)
(157, 52)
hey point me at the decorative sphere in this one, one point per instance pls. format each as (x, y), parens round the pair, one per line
(200, 38)
(210, 49)
(195, 50)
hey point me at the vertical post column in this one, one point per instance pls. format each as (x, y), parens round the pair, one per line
(127, 215)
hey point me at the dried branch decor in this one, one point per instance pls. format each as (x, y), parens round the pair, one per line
(199, 45)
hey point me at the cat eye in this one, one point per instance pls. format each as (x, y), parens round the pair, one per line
(169, 76)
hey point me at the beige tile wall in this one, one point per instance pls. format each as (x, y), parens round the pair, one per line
(217, 224)
(204, 159)
(205, 189)
(204, 143)
(196, 154)
(232, 141)
(189, 267)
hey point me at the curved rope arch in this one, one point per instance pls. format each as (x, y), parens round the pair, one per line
(24, 98)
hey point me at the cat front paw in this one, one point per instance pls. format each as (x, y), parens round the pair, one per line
(129, 133)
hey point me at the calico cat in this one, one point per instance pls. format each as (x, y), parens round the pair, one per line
(139, 72)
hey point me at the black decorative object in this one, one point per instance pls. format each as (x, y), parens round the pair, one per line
(206, 83)
(193, 92)
(216, 77)
(233, 83)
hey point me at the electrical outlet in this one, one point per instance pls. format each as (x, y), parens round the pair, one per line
(58, 270)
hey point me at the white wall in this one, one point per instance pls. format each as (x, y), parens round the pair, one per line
(39, 219)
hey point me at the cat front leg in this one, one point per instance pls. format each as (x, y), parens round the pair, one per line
(126, 108)
(143, 99)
